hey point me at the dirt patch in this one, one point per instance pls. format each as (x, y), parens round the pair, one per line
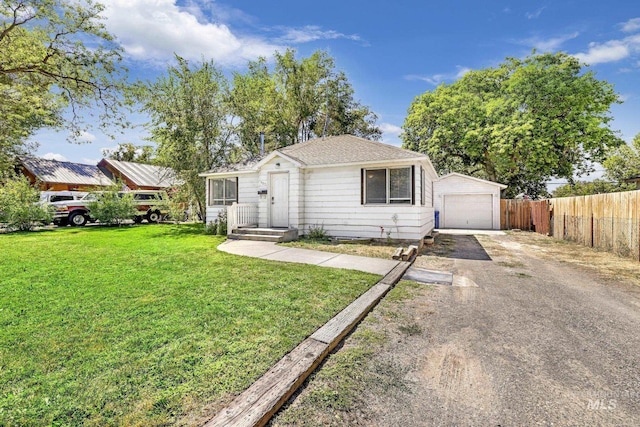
(543, 337)
(370, 248)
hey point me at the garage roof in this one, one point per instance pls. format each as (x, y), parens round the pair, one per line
(484, 181)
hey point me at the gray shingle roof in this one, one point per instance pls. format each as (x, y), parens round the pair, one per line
(333, 150)
(145, 175)
(53, 171)
(244, 165)
(345, 149)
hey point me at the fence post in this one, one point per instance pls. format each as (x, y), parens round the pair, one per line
(507, 205)
(592, 230)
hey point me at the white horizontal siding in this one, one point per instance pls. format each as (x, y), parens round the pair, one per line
(333, 200)
(248, 188)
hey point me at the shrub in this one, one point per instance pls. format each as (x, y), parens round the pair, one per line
(317, 232)
(222, 222)
(19, 206)
(211, 228)
(176, 211)
(112, 207)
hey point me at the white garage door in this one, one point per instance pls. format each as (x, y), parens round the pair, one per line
(467, 211)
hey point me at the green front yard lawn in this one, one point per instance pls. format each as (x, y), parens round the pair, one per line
(146, 325)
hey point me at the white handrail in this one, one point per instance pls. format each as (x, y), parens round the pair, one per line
(241, 215)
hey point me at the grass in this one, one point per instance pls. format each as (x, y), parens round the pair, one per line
(146, 325)
(375, 249)
(334, 394)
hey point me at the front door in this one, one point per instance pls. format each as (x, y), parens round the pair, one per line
(279, 193)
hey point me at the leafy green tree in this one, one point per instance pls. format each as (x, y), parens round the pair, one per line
(624, 162)
(342, 114)
(56, 59)
(586, 188)
(19, 207)
(128, 152)
(519, 123)
(299, 99)
(255, 102)
(113, 207)
(189, 122)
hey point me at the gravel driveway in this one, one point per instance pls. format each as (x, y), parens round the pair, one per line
(544, 333)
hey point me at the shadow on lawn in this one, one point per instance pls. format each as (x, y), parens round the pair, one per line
(178, 230)
(156, 230)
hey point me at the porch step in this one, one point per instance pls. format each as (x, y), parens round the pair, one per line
(277, 235)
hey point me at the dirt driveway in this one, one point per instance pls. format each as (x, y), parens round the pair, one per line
(544, 333)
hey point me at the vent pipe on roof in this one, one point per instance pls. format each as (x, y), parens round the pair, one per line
(261, 143)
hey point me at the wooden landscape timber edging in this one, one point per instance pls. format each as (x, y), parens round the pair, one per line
(257, 404)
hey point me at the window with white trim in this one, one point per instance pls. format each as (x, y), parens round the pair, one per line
(223, 191)
(388, 186)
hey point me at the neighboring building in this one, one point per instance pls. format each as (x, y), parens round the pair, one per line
(352, 187)
(139, 176)
(53, 175)
(463, 201)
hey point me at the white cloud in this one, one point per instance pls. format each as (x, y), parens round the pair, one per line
(631, 25)
(311, 33)
(436, 79)
(624, 97)
(155, 29)
(611, 51)
(390, 129)
(550, 44)
(55, 156)
(89, 161)
(462, 71)
(536, 14)
(86, 137)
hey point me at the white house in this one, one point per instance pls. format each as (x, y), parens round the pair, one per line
(350, 186)
(463, 201)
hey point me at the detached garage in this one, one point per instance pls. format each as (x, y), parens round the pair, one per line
(467, 202)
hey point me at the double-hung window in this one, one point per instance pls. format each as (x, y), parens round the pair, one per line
(223, 192)
(388, 186)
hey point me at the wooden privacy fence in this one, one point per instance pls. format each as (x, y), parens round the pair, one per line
(528, 215)
(609, 222)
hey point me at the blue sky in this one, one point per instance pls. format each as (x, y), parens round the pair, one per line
(391, 52)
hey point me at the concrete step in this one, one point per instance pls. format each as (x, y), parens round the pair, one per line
(256, 230)
(256, 237)
(283, 234)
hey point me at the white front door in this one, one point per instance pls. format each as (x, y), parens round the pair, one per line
(279, 193)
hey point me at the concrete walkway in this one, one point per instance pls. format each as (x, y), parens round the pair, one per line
(271, 251)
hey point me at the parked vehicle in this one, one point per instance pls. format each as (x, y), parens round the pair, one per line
(73, 212)
(60, 196)
(152, 205)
